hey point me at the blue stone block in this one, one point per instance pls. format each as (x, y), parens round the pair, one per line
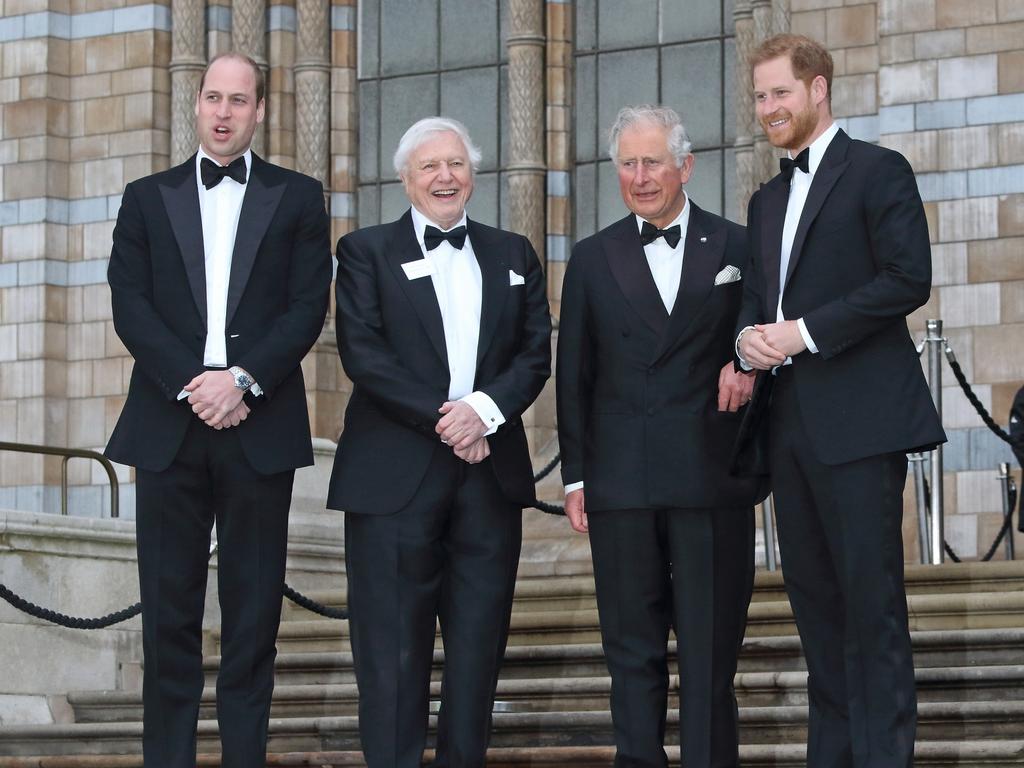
(951, 185)
(342, 205)
(88, 210)
(558, 183)
(996, 109)
(557, 247)
(57, 210)
(342, 17)
(8, 275)
(31, 272)
(899, 119)
(32, 210)
(90, 272)
(93, 24)
(864, 127)
(8, 213)
(218, 18)
(1006, 180)
(955, 452)
(56, 272)
(281, 18)
(12, 28)
(941, 114)
(987, 451)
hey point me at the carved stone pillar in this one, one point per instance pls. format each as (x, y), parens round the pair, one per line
(188, 59)
(526, 167)
(780, 16)
(312, 90)
(249, 36)
(746, 125)
(764, 165)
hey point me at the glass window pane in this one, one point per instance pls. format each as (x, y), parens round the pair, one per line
(691, 84)
(586, 109)
(369, 169)
(705, 184)
(585, 191)
(368, 37)
(621, 24)
(404, 100)
(629, 77)
(471, 97)
(408, 36)
(469, 33)
(690, 19)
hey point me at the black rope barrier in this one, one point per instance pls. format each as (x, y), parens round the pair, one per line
(998, 431)
(74, 622)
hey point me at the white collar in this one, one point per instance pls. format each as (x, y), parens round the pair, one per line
(682, 219)
(817, 148)
(247, 155)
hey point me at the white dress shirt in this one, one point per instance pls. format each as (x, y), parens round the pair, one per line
(799, 186)
(458, 285)
(666, 264)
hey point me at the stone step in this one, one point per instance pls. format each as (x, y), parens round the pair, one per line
(937, 721)
(932, 649)
(986, 610)
(574, 591)
(964, 754)
(576, 694)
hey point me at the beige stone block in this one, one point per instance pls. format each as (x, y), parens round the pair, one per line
(24, 57)
(138, 49)
(93, 86)
(140, 111)
(931, 214)
(32, 148)
(993, 361)
(1011, 215)
(86, 421)
(23, 241)
(957, 411)
(896, 16)
(813, 5)
(1002, 400)
(76, 118)
(964, 13)
(54, 304)
(974, 218)
(98, 239)
(855, 95)
(940, 44)
(104, 54)
(967, 76)
(10, 90)
(949, 264)
(920, 148)
(25, 118)
(114, 347)
(978, 491)
(970, 305)
(810, 23)
(73, 307)
(8, 150)
(1011, 72)
(78, 375)
(96, 302)
(23, 378)
(105, 115)
(1012, 301)
(137, 80)
(972, 147)
(908, 83)
(41, 340)
(1010, 10)
(1010, 140)
(88, 148)
(896, 49)
(862, 60)
(106, 377)
(86, 341)
(851, 26)
(44, 86)
(9, 342)
(104, 177)
(19, 7)
(995, 260)
(1000, 37)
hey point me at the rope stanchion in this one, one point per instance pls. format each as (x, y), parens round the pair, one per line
(312, 605)
(958, 373)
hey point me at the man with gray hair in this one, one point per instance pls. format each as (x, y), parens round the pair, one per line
(444, 328)
(648, 411)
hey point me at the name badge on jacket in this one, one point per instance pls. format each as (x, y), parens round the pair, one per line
(416, 269)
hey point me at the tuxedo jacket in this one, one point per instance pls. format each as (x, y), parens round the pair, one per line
(860, 263)
(637, 388)
(391, 342)
(278, 292)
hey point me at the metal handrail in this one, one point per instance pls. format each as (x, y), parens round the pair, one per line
(66, 454)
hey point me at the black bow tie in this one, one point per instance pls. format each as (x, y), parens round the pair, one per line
(433, 237)
(212, 173)
(800, 161)
(649, 233)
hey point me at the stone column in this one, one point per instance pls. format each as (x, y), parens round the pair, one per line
(188, 59)
(249, 36)
(526, 167)
(764, 164)
(312, 90)
(780, 16)
(746, 125)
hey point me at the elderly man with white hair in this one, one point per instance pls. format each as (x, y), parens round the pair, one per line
(444, 328)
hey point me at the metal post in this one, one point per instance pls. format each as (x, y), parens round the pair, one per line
(1005, 480)
(768, 525)
(936, 343)
(917, 461)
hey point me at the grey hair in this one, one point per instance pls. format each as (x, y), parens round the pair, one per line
(424, 129)
(649, 114)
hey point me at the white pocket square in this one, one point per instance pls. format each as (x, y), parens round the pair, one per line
(729, 274)
(515, 279)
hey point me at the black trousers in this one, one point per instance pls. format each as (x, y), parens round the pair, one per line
(691, 569)
(210, 482)
(840, 534)
(451, 556)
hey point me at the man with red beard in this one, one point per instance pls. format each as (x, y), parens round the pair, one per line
(839, 257)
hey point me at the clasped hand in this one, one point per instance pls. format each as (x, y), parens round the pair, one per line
(462, 428)
(216, 400)
(766, 346)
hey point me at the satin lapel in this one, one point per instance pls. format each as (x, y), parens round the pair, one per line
(403, 248)
(258, 207)
(494, 274)
(181, 200)
(626, 259)
(833, 163)
(774, 196)
(702, 257)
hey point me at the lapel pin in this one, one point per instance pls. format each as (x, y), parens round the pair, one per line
(703, 239)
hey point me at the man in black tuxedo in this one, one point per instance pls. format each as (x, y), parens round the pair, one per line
(839, 258)
(444, 328)
(648, 411)
(219, 278)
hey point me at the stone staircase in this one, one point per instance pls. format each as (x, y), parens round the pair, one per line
(552, 702)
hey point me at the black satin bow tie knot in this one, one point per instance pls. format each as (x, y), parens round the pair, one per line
(649, 233)
(433, 237)
(212, 173)
(801, 161)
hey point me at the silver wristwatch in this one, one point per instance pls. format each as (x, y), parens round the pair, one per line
(242, 379)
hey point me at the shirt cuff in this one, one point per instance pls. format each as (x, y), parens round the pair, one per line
(573, 487)
(736, 348)
(808, 341)
(183, 394)
(486, 409)
(255, 389)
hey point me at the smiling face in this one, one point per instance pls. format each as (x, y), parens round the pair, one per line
(227, 110)
(439, 178)
(650, 183)
(791, 112)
